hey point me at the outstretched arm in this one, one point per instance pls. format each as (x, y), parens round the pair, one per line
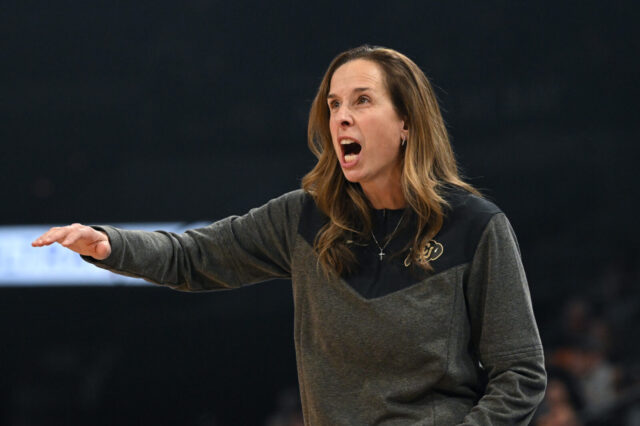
(229, 253)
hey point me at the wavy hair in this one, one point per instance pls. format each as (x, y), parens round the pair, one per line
(428, 162)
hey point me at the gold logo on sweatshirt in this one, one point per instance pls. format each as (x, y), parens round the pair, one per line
(430, 252)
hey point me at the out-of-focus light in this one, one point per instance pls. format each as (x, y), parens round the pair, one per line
(23, 265)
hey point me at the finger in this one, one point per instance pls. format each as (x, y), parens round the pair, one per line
(39, 241)
(57, 235)
(49, 237)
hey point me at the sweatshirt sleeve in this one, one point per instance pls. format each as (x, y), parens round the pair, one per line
(229, 253)
(504, 333)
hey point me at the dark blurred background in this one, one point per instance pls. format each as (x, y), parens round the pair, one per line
(115, 111)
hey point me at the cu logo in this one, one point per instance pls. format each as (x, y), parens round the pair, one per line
(430, 252)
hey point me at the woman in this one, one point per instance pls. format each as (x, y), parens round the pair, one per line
(408, 287)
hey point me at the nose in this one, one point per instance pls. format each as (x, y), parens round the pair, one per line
(343, 116)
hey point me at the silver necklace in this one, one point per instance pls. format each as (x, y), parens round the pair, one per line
(382, 254)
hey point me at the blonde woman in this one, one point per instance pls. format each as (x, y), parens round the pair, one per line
(411, 303)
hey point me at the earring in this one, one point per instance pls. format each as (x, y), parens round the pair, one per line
(404, 142)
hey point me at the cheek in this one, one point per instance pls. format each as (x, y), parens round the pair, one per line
(387, 132)
(388, 138)
(332, 131)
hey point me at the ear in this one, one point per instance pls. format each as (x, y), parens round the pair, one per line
(404, 133)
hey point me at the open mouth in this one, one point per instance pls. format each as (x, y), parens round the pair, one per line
(350, 150)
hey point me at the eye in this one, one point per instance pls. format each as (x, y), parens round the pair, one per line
(363, 100)
(334, 104)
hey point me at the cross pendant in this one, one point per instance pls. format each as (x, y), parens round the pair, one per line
(381, 254)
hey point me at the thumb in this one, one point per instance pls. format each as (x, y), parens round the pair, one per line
(102, 250)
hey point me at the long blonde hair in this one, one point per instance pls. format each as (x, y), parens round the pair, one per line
(428, 164)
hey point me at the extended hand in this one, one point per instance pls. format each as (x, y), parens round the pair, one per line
(79, 238)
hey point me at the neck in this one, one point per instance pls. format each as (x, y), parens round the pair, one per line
(385, 195)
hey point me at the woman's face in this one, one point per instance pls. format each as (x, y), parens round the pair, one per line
(365, 128)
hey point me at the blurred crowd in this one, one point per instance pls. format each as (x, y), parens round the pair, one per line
(593, 353)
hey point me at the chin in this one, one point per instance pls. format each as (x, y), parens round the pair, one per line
(351, 177)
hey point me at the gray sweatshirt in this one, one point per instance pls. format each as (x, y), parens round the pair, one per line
(458, 345)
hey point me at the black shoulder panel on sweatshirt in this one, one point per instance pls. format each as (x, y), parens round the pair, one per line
(465, 220)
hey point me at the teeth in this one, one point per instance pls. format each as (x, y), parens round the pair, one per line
(350, 157)
(346, 141)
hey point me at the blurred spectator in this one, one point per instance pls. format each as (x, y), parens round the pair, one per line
(596, 376)
(288, 409)
(557, 408)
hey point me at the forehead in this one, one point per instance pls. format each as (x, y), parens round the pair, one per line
(356, 74)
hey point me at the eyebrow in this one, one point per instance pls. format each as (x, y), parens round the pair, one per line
(357, 90)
